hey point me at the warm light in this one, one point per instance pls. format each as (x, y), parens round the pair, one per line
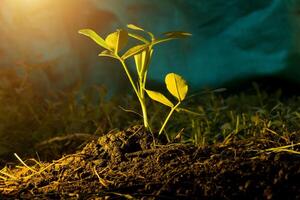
(46, 29)
(28, 4)
(29, 1)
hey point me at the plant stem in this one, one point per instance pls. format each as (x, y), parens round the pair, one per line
(144, 110)
(168, 117)
(129, 77)
(139, 95)
(143, 101)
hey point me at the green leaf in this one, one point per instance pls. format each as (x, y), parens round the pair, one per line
(146, 59)
(177, 34)
(172, 36)
(138, 62)
(107, 53)
(157, 41)
(138, 37)
(142, 60)
(117, 40)
(94, 36)
(134, 50)
(156, 96)
(134, 27)
(176, 85)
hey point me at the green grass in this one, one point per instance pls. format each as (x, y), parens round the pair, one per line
(29, 116)
(251, 114)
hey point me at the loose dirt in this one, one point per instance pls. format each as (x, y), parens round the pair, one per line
(127, 165)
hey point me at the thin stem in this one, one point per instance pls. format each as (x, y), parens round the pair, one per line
(142, 82)
(143, 101)
(129, 77)
(168, 117)
(144, 110)
(139, 93)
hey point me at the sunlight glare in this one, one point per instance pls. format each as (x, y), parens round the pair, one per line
(29, 3)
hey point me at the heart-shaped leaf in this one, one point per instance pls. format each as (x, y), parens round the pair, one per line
(134, 50)
(117, 40)
(156, 96)
(94, 36)
(176, 85)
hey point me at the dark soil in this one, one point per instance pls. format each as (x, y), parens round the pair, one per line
(127, 165)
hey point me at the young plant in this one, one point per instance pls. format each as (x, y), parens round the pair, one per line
(142, 54)
(177, 86)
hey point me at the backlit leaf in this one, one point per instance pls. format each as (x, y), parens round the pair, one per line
(94, 36)
(138, 37)
(117, 40)
(134, 27)
(157, 41)
(138, 62)
(176, 85)
(142, 60)
(156, 96)
(107, 53)
(177, 34)
(134, 50)
(172, 36)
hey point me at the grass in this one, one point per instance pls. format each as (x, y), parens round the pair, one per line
(31, 117)
(225, 116)
(248, 130)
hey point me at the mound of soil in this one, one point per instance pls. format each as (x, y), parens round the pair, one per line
(127, 165)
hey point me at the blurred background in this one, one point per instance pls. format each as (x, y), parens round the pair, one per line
(233, 42)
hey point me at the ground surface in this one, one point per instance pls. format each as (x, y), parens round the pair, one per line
(126, 165)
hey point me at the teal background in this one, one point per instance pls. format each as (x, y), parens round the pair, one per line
(232, 40)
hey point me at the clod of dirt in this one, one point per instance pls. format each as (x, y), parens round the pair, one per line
(126, 165)
(124, 142)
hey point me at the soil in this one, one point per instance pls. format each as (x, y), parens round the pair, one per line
(128, 165)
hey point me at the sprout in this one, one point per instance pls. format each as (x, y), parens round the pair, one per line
(142, 54)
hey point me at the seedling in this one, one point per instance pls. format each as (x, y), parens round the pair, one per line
(177, 86)
(142, 54)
